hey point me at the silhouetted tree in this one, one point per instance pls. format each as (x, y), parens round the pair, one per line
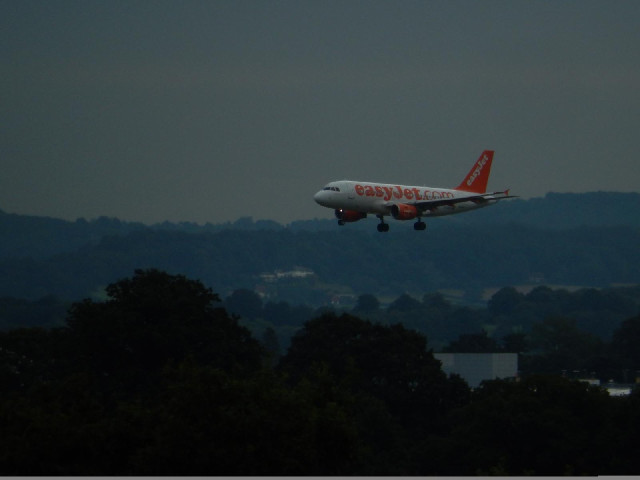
(539, 426)
(435, 301)
(474, 343)
(244, 303)
(90, 398)
(390, 363)
(504, 301)
(366, 304)
(624, 458)
(208, 422)
(33, 356)
(515, 343)
(277, 313)
(625, 344)
(270, 342)
(154, 318)
(404, 303)
(557, 344)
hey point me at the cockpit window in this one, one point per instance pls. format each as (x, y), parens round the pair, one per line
(333, 189)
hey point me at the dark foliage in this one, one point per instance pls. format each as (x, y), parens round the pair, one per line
(390, 363)
(44, 312)
(539, 426)
(159, 380)
(154, 318)
(626, 343)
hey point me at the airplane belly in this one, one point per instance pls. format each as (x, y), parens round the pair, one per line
(371, 205)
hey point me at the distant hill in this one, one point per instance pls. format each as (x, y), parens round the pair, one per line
(343, 261)
(23, 236)
(563, 210)
(562, 239)
(26, 236)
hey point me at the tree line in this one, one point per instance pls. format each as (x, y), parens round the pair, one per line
(160, 378)
(554, 330)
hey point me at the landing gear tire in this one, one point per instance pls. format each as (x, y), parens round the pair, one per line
(382, 227)
(420, 225)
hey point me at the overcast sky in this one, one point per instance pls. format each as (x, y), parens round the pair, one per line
(206, 111)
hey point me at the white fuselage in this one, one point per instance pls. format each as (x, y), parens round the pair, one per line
(378, 198)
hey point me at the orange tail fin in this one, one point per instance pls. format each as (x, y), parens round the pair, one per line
(478, 177)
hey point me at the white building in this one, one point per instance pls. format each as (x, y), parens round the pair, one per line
(476, 367)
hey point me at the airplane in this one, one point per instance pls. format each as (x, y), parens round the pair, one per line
(354, 200)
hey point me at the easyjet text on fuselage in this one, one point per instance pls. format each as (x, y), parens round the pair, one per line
(398, 192)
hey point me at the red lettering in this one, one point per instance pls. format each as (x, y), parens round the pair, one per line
(396, 191)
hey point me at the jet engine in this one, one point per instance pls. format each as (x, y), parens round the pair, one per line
(402, 211)
(349, 215)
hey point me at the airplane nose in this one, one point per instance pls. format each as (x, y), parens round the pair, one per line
(321, 198)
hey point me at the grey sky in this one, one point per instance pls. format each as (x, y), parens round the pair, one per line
(210, 110)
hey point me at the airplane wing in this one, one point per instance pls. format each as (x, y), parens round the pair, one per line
(481, 198)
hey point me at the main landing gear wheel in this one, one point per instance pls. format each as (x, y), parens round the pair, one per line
(382, 227)
(419, 225)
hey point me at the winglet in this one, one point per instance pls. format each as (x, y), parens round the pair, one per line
(478, 177)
